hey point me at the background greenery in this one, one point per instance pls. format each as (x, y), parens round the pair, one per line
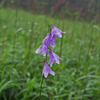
(80, 9)
(77, 77)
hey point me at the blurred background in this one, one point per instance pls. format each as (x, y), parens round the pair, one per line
(66, 8)
(24, 25)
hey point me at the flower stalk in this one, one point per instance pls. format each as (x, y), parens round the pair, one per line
(49, 41)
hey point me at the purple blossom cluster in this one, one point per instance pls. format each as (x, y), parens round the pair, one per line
(49, 40)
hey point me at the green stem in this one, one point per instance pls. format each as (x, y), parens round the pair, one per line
(61, 45)
(41, 87)
(42, 82)
(16, 15)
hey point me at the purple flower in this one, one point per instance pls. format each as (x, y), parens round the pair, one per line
(47, 70)
(43, 48)
(56, 31)
(53, 58)
(49, 41)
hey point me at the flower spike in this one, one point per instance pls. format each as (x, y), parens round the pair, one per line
(49, 40)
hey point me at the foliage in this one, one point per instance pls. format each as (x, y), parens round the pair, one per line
(83, 7)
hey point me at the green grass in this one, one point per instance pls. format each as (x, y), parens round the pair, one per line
(20, 70)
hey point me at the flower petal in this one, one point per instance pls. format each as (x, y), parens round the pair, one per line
(56, 31)
(39, 49)
(49, 41)
(43, 48)
(53, 58)
(47, 70)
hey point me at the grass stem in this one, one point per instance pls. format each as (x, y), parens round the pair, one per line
(41, 87)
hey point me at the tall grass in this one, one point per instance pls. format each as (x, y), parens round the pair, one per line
(20, 70)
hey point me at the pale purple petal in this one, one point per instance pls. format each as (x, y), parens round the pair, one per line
(45, 41)
(43, 48)
(39, 49)
(53, 58)
(47, 70)
(56, 31)
(54, 37)
(49, 41)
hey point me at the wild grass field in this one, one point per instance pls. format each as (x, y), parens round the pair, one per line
(77, 77)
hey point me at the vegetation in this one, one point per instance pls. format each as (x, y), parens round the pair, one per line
(83, 9)
(77, 77)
